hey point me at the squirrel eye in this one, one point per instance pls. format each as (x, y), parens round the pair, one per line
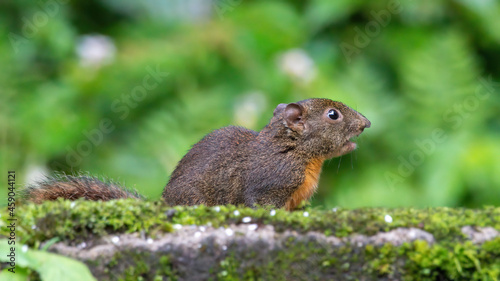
(333, 114)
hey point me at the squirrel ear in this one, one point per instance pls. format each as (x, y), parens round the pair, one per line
(293, 117)
(279, 108)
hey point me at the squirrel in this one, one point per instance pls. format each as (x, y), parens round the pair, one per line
(278, 166)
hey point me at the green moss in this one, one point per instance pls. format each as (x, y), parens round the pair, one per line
(137, 270)
(416, 261)
(461, 262)
(81, 219)
(140, 265)
(229, 269)
(166, 269)
(452, 257)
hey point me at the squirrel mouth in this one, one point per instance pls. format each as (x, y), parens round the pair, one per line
(350, 145)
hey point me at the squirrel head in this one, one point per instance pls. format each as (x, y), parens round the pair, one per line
(321, 127)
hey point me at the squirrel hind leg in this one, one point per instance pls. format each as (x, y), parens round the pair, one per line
(75, 187)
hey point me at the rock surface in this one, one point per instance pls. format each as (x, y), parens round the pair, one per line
(131, 240)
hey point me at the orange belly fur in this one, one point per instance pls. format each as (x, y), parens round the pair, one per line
(308, 187)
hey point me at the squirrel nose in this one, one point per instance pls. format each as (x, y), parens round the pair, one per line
(367, 123)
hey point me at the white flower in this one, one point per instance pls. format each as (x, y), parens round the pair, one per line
(297, 64)
(388, 218)
(95, 50)
(249, 107)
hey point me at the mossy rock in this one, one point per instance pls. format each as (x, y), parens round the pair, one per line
(134, 240)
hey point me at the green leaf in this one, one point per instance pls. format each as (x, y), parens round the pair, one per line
(21, 274)
(51, 267)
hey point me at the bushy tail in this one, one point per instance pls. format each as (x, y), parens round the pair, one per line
(74, 187)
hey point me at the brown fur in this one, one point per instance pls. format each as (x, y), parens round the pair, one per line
(278, 166)
(74, 187)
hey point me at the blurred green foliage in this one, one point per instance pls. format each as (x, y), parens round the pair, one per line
(423, 72)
